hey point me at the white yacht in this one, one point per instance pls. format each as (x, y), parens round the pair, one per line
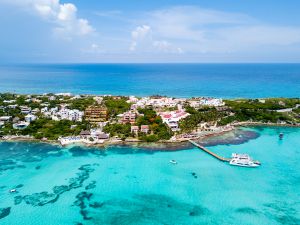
(243, 160)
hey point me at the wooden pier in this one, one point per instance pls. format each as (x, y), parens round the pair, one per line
(210, 152)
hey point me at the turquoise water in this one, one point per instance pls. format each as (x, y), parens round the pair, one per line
(125, 185)
(178, 80)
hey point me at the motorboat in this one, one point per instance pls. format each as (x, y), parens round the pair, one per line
(243, 160)
(13, 190)
(173, 161)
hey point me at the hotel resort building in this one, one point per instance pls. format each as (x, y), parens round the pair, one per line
(96, 114)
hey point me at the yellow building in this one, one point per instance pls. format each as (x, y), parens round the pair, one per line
(96, 114)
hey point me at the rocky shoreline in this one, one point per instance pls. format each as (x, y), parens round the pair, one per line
(160, 145)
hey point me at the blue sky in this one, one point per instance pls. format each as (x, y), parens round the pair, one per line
(73, 31)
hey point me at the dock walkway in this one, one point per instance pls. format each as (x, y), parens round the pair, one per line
(210, 152)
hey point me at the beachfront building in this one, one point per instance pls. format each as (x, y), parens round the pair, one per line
(96, 114)
(85, 134)
(145, 129)
(172, 118)
(135, 129)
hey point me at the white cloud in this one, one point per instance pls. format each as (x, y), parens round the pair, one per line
(141, 37)
(63, 15)
(200, 30)
(143, 41)
(93, 49)
(166, 47)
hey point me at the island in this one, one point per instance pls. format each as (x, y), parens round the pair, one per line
(97, 120)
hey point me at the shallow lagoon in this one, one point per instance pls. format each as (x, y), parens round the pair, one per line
(127, 185)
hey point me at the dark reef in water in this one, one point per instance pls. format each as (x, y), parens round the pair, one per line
(82, 202)
(283, 213)
(18, 153)
(140, 209)
(246, 210)
(235, 137)
(8, 164)
(4, 212)
(44, 198)
(91, 185)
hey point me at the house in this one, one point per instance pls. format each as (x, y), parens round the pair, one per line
(96, 114)
(34, 111)
(135, 129)
(12, 106)
(5, 118)
(25, 109)
(145, 129)
(30, 117)
(52, 98)
(174, 126)
(128, 117)
(9, 101)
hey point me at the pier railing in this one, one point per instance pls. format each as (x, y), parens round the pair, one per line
(209, 152)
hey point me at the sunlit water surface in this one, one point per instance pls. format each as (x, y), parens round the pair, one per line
(127, 185)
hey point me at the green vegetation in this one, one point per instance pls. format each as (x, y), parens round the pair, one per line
(47, 128)
(234, 111)
(116, 106)
(121, 130)
(268, 104)
(260, 111)
(160, 131)
(82, 103)
(255, 116)
(198, 116)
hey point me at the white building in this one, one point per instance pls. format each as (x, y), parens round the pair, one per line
(172, 118)
(213, 102)
(30, 117)
(25, 109)
(5, 118)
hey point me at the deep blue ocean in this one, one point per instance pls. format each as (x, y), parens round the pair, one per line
(179, 80)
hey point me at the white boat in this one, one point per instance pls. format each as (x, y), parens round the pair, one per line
(13, 191)
(243, 160)
(173, 161)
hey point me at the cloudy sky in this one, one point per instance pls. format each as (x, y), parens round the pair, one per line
(149, 31)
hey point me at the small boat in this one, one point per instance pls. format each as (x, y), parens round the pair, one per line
(173, 161)
(12, 190)
(281, 136)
